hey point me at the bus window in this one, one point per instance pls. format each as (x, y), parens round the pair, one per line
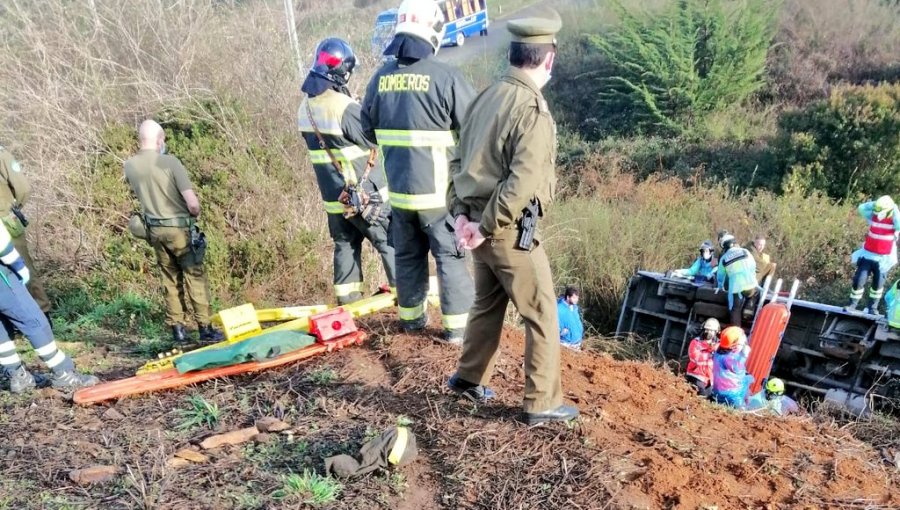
(449, 11)
(466, 7)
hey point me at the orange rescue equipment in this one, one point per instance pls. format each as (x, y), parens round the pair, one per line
(764, 342)
(168, 379)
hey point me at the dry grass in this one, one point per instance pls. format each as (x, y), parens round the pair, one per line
(73, 69)
(822, 42)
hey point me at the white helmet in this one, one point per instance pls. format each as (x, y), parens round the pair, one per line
(423, 19)
(726, 241)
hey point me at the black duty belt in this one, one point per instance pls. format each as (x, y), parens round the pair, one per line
(183, 222)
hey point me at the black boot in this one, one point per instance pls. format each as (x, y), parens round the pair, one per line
(851, 307)
(873, 306)
(178, 335)
(210, 334)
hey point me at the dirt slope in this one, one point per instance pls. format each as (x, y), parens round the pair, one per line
(645, 442)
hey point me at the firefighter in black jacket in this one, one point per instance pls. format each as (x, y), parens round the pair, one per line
(413, 109)
(329, 121)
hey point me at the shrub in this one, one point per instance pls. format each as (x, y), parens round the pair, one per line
(670, 69)
(847, 146)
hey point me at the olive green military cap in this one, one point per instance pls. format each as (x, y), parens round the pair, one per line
(538, 29)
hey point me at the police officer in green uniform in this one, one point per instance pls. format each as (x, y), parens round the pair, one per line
(170, 208)
(15, 192)
(342, 158)
(506, 181)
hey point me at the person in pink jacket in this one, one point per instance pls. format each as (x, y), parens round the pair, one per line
(700, 366)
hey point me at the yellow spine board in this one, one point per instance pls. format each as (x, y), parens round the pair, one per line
(288, 313)
(358, 309)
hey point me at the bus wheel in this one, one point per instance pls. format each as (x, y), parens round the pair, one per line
(484, 33)
(460, 39)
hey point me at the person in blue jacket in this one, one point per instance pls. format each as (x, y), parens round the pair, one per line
(571, 330)
(704, 268)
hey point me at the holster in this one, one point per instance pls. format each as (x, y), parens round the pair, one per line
(197, 252)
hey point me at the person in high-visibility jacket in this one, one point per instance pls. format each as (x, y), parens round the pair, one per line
(892, 300)
(878, 255)
(413, 109)
(737, 269)
(337, 118)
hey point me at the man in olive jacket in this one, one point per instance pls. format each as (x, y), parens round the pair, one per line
(506, 181)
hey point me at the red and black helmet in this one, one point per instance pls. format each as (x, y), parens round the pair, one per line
(334, 60)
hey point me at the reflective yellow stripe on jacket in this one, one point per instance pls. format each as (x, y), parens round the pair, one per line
(438, 142)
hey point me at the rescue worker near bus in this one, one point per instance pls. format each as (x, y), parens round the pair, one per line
(773, 400)
(170, 207)
(731, 382)
(878, 254)
(700, 354)
(335, 132)
(412, 109)
(20, 309)
(15, 191)
(764, 265)
(506, 182)
(704, 268)
(737, 270)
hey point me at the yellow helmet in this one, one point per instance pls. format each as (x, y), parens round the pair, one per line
(775, 386)
(884, 204)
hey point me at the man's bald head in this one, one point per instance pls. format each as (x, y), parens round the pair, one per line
(151, 135)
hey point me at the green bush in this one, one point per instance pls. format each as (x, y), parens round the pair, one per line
(669, 69)
(847, 146)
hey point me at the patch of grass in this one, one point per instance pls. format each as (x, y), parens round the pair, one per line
(85, 309)
(150, 348)
(277, 454)
(398, 482)
(310, 488)
(322, 376)
(248, 501)
(370, 434)
(52, 501)
(200, 412)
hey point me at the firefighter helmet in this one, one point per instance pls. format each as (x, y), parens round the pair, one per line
(711, 324)
(710, 331)
(775, 386)
(423, 19)
(334, 60)
(732, 338)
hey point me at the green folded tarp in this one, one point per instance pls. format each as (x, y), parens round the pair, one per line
(258, 348)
